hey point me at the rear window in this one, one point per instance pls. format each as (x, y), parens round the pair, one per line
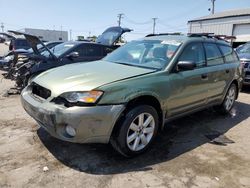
(229, 54)
(21, 43)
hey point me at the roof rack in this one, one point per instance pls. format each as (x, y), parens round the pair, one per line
(159, 34)
(210, 35)
(213, 36)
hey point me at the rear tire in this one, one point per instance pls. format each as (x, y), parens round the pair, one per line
(135, 131)
(229, 100)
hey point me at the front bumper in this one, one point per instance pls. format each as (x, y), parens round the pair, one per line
(92, 124)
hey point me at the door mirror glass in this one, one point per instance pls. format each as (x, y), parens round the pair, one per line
(185, 65)
(73, 55)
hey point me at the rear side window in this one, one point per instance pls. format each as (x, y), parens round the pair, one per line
(195, 53)
(92, 51)
(213, 54)
(228, 53)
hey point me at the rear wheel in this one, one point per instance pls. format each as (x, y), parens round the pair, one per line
(229, 99)
(136, 131)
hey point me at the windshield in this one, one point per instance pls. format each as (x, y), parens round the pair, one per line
(154, 54)
(244, 48)
(59, 49)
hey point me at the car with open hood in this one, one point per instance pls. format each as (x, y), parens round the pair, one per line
(65, 53)
(7, 60)
(126, 98)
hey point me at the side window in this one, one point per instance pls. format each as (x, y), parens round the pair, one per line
(80, 50)
(213, 54)
(228, 54)
(194, 52)
(93, 50)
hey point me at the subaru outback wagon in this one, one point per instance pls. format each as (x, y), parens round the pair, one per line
(126, 98)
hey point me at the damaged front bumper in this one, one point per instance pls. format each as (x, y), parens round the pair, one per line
(93, 124)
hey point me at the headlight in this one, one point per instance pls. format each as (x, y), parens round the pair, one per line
(89, 97)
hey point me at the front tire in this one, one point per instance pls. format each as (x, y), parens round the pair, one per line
(136, 131)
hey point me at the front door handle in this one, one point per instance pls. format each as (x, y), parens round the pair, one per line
(204, 76)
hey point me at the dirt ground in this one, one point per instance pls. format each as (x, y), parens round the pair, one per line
(183, 155)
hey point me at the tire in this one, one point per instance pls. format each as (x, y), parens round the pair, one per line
(229, 100)
(132, 137)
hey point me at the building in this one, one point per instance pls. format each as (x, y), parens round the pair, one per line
(233, 23)
(48, 35)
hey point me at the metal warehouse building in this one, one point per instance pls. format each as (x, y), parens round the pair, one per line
(234, 22)
(48, 35)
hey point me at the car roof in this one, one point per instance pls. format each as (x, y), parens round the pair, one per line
(186, 38)
(77, 42)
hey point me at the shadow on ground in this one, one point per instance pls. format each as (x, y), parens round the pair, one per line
(178, 137)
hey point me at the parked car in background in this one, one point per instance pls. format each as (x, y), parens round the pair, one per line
(126, 98)
(65, 53)
(244, 55)
(8, 58)
(5, 42)
(19, 43)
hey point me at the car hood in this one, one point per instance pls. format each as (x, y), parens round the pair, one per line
(33, 42)
(244, 56)
(111, 35)
(86, 76)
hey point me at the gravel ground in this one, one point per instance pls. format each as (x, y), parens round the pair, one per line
(183, 155)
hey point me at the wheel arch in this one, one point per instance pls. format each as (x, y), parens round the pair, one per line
(141, 100)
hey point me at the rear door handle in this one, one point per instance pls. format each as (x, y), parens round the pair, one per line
(204, 76)
(227, 71)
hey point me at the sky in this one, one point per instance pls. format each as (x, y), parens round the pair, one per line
(92, 17)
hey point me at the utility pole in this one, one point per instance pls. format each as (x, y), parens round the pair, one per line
(70, 34)
(120, 18)
(154, 24)
(213, 5)
(61, 32)
(2, 26)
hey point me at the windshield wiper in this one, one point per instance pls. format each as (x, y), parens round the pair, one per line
(134, 65)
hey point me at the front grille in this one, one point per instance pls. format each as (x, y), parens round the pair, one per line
(40, 91)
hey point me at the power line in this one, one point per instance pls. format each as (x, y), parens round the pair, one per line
(136, 22)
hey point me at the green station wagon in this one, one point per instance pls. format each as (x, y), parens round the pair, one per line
(126, 98)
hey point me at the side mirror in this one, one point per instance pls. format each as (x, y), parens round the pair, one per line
(73, 55)
(185, 65)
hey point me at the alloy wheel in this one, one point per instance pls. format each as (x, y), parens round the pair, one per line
(140, 131)
(230, 98)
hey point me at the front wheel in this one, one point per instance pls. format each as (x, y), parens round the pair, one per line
(136, 131)
(229, 100)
